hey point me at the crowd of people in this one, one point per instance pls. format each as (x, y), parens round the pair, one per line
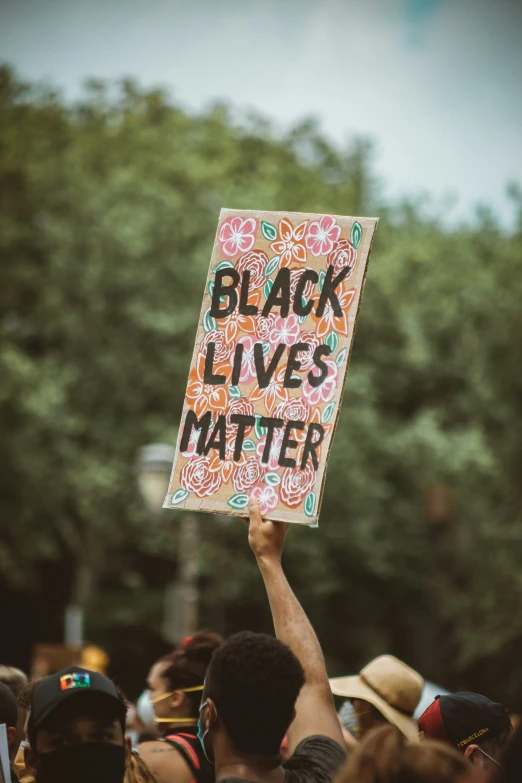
(253, 708)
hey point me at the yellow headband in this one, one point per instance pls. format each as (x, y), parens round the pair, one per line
(186, 721)
(171, 693)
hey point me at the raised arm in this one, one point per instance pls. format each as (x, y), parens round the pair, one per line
(315, 707)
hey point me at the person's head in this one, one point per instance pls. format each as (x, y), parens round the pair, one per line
(385, 756)
(385, 691)
(175, 682)
(478, 727)
(9, 716)
(16, 681)
(251, 688)
(76, 729)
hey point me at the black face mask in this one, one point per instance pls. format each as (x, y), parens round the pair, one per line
(88, 762)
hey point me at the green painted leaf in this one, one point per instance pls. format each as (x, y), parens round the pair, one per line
(211, 287)
(209, 323)
(302, 318)
(258, 429)
(332, 341)
(322, 278)
(356, 234)
(268, 287)
(341, 356)
(223, 265)
(268, 230)
(234, 392)
(327, 412)
(266, 349)
(272, 479)
(179, 496)
(249, 445)
(309, 504)
(237, 502)
(271, 266)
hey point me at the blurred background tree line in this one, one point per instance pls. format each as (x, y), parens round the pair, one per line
(108, 210)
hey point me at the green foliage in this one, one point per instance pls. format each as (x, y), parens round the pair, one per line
(108, 210)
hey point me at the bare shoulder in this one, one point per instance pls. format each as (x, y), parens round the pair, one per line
(165, 762)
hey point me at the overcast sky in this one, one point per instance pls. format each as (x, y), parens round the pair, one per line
(435, 83)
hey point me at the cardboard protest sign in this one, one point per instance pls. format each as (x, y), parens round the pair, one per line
(269, 364)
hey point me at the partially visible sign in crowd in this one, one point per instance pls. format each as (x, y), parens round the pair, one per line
(270, 360)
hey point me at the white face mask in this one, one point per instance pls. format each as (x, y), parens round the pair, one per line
(145, 711)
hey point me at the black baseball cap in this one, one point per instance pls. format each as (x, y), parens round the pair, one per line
(57, 689)
(463, 719)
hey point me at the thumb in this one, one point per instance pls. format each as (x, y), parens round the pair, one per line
(253, 511)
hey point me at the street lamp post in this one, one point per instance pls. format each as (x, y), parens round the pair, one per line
(181, 595)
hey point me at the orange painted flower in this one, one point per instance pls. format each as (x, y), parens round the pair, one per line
(235, 323)
(203, 396)
(290, 242)
(329, 321)
(274, 392)
(225, 467)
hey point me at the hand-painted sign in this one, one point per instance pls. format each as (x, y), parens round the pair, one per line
(269, 364)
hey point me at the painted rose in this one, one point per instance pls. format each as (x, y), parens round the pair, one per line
(285, 330)
(326, 391)
(343, 254)
(197, 477)
(274, 392)
(253, 262)
(295, 276)
(202, 396)
(237, 235)
(235, 323)
(329, 321)
(225, 467)
(275, 449)
(248, 363)
(289, 245)
(222, 349)
(293, 410)
(296, 484)
(267, 497)
(306, 357)
(322, 235)
(243, 407)
(264, 324)
(248, 474)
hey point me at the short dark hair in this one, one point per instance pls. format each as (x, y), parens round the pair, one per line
(187, 665)
(254, 681)
(8, 706)
(496, 745)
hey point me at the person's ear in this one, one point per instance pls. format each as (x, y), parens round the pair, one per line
(472, 755)
(30, 760)
(210, 715)
(128, 750)
(177, 699)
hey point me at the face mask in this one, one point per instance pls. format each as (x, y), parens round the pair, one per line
(88, 762)
(202, 734)
(145, 712)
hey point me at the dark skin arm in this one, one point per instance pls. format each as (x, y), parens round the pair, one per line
(315, 706)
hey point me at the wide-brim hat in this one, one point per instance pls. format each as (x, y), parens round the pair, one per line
(391, 686)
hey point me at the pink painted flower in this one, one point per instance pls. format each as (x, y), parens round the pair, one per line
(285, 330)
(253, 262)
(306, 357)
(248, 474)
(267, 497)
(237, 235)
(322, 235)
(248, 364)
(326, 391)
(296, 484)
(275, 448)
(294, 410)
(264, 324)
(197, 477)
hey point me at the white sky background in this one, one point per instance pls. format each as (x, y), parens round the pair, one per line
(436, 84)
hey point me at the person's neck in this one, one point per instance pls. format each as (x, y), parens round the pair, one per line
(265, 769)
(170, 727)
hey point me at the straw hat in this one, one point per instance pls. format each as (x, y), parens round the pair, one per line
(391, 686)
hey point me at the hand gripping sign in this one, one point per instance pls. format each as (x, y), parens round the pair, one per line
(267, 374)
